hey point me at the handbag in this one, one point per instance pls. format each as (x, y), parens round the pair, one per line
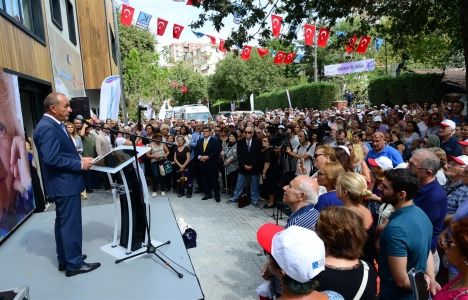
(165, 168)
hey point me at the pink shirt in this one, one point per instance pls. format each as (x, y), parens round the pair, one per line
(446, 294)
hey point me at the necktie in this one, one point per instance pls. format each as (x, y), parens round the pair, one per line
(248, 145)
(64, 129)
(205, 142)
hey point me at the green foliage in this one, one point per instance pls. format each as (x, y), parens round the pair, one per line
(195, 83)
(143, 79)
(407, 88)
(312, 95)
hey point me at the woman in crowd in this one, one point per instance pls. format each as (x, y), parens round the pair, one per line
(440, 175)
(323, 154)
(411, 134)
(149, 131)
(358, 138)
(344, 235)
(354, 128)
(327, 176)
(164, 132)
(343, 155)
(231, 162)
(292, 131)
(433, 122)
(456, 251)
(269, 174)
(358, 162)
(171, 178)
(240, 133)
(181, 163)
(158, 154)
(75, 137)
(185, 133)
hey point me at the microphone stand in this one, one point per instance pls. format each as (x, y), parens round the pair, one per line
(150, 248)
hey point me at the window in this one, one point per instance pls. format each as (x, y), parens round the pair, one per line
(27, 13)
(56, 13)
(113, 44)
(71, 22)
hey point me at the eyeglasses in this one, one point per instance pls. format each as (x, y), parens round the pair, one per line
(318, 154)
(413, 166)
(249, 132)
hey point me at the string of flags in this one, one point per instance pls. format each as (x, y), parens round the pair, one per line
(311, 32)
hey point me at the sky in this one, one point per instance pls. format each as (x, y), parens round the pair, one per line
(182, 14)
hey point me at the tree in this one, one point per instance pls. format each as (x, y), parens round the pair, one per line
(144, 80)
(187, 86)
(407, 19)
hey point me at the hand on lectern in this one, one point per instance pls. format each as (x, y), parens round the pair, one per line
(86, 163)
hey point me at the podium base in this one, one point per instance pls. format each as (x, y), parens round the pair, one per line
(120, 252)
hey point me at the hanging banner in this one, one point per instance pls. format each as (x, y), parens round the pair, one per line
(17, 198)
(110, 98)
(289, 99)
(350, 67)
(252, 108)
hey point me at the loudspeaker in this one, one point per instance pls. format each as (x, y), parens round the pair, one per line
(80, 106)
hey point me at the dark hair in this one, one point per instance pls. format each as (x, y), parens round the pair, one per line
(403, 180)
(296, 287)
(344, 159)
(459, 231)
(206, 127)
(342, 232)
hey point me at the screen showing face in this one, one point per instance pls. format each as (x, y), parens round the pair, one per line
(114, 158)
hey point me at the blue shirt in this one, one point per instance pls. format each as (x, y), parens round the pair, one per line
(432, 199)
(408, 234)
(456, 194)
(306, 217)
(328, 199)
(388, 151)
(451, 147)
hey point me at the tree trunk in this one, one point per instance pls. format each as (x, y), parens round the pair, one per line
(464, 32)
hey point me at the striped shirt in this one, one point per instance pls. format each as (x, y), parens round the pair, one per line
(306, 217)
(456, 194)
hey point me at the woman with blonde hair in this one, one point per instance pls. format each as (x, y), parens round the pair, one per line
(357, 159)
(327, 177)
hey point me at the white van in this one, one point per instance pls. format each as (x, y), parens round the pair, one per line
(197, 112)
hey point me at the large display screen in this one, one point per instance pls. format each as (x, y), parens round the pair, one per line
(16, 193)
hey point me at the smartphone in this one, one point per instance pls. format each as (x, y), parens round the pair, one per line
(419, 285)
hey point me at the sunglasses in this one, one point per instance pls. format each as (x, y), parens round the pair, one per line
(249, 132)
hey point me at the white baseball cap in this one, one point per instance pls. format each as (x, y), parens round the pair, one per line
(382, 161)
(448, 123)
(299, 252)
(377, 119)
(463, 143)
(461, 160)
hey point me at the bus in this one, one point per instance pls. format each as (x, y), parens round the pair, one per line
(197, 112)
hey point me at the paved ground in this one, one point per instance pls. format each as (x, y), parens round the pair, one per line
(227, 258)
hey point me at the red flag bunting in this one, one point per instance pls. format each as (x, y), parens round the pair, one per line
(221, 46)
(363, 44)
(322, 40)
(289, 58)
(349, 47)
(262, 51)
(279, 57)
(162, 24)
(127, 15)
(309, 34)
(276, 25)
(246, 52)
(212, 39)
(191, 2)
(177, 30)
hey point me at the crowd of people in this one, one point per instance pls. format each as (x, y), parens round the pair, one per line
(384, 189)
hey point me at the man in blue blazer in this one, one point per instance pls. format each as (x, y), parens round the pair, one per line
(63, 180)
(207, 153)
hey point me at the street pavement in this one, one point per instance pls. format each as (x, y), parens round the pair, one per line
(227, 259)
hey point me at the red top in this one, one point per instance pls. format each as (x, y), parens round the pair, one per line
(447, 294)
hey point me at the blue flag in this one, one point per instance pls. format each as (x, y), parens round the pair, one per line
(198, 34)
(143, 20)
(378, 43)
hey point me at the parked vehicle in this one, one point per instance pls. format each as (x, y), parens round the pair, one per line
(197, 112)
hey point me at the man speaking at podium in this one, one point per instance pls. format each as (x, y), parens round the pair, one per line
(63, 180)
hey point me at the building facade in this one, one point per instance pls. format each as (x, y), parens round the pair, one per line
(201, 57)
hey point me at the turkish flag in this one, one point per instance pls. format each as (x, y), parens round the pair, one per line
(177, 30)
(276, 25)
(324, 34)
(363, 44)
(212, 39)
(127, 15)
(349, 47)
(289, 58)
(221, 46)
(262, 51)
(162, 24)
(279, 57)
(246, 52)
(309, 34)
(191, 2)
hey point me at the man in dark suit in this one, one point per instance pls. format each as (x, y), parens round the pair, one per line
(63, 180)
(249, 156)
(207, 153)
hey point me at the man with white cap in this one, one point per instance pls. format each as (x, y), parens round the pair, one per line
(448, 142)
(297, 256)
(379, 127)
(464, 145)
(457, 190)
